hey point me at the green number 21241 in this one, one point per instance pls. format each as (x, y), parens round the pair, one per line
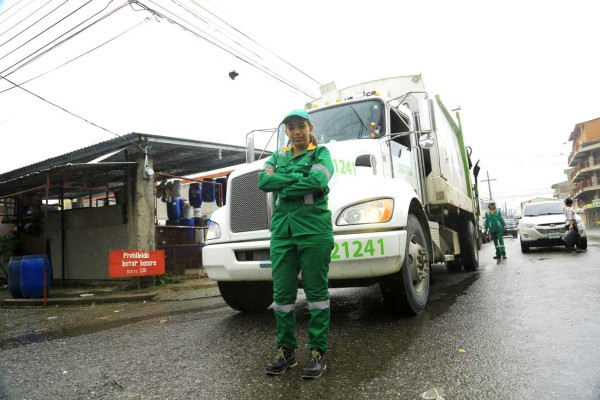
(357, 249)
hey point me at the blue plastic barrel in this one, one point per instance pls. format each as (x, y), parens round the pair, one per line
(221, 198)
(32, 275)
(14, 277)
(208, 190)
(195, 194)
(181, 207)
(173, 209)
(189, 233)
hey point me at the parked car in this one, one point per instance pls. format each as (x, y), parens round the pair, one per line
(510, 229)
(543, 225)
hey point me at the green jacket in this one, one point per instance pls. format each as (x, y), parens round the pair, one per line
(494, 222)
(300, 188)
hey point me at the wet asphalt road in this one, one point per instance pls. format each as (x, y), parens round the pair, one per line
(528, 328)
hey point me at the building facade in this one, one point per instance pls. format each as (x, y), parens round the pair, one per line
(584, 169)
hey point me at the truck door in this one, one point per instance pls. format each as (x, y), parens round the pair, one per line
(401, 149)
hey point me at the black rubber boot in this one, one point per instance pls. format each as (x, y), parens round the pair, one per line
(285, 358)
(315, 366)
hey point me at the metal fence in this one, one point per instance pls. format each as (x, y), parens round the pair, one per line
(183, 208)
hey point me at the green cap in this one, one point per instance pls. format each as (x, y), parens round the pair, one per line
(296, 113)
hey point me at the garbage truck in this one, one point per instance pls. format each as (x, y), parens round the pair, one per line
(403, 196)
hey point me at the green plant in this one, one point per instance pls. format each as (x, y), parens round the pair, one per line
(167, 278)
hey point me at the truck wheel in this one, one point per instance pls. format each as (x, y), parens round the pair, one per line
(469, 254)
(524, 248)
(406, 291)
(582, 245)
(247, 296)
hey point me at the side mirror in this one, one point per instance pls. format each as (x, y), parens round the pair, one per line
(426, 141)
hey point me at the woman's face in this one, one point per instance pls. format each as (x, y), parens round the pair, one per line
(298, 130)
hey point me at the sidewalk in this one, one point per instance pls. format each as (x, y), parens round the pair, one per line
(191, 287)
(593, 234)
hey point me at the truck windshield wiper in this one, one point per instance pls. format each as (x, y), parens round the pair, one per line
(363, 126)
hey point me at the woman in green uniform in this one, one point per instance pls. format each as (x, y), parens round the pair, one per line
(495, 224)
(301, 240)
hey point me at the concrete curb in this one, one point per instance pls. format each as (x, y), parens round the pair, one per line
(52, 301)
(177, 292)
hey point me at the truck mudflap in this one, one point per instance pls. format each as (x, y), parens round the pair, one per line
(355, 256)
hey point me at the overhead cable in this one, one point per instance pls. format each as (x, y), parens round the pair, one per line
(27, 17)
(45, 30)
(64, 40)
(222, 47)
(253, 41)
(227, 35)
(79, 56)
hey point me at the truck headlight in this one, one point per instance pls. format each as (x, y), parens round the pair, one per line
(370, 212)
(213, 231)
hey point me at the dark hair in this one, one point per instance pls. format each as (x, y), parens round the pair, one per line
(312, 139)
(569, 202)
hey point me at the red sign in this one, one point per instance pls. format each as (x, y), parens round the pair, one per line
(124, 263)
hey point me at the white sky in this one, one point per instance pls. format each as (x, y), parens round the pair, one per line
(523, 72)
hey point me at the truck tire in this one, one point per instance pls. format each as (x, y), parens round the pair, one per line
(469, 252)
(406, 291)
(247, 296)
(582, 244)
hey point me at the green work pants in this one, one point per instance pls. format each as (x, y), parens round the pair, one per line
(309, 255)
(499, 243)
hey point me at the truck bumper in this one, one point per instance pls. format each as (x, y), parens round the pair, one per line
(355, 256)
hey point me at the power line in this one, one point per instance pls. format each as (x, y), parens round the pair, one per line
(21, 21)
(216, 42)
(73, 35)
(253, 41)
(14, 5)
(79, 56)
(45, 30)
(229, 36)
(57, 106)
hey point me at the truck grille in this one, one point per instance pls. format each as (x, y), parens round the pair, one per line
(248, 204)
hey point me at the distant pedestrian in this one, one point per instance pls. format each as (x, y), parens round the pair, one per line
(571, 238)
(494, 224)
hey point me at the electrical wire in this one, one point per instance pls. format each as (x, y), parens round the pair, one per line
(232, 52)
(28, 16)
(57, 106)
(253, 41)
(237, 40)
(79, 56)
(14, 5)
(70, 112)
(64, 40)
(229, 36)
(47, 29)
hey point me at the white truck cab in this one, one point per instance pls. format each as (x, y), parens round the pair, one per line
(401, 199)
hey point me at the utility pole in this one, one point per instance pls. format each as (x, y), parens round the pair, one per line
(488, 181)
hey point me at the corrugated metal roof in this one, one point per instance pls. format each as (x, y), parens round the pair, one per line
(104, 164)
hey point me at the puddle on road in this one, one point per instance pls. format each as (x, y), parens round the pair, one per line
(82, 330)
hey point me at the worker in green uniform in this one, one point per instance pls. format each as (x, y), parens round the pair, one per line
(494, 223)
(301, 240)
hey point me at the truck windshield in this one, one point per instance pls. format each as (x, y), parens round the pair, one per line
(347, 121)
